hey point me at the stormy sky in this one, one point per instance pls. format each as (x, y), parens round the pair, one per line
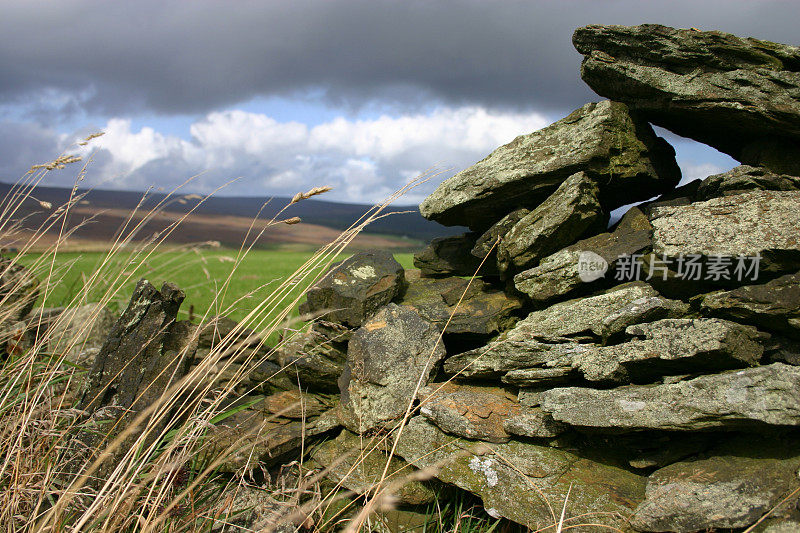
(362, 95)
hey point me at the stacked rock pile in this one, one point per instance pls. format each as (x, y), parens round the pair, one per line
(648, 369)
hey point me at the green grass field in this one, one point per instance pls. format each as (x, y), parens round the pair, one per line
(200, 273)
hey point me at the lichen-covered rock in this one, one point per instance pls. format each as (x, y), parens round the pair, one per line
(354, 289)
(542, 347)
(563, 274)
(313, 359)
(524, 482)
(358, 464)
(741, 96)
(753, 223)
(738, 484)
(750, 398)
(488, 241)
(774, 305)
(602, 139)
(640, 310)
(451, 256)
(531, 359)
(571, 212)
(464, 306)
(145, 353)
(387, 358)
(745, 178)
(78, 333)
(581, 318)
(535, 423)
(672, 346)
(468, 411)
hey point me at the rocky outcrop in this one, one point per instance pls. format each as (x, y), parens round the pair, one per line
(751, 398)
(571, 212)
(741, 96)
(601, 139)
(354, 289)
(387, 359)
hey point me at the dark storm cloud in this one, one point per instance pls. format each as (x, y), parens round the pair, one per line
(179, 57)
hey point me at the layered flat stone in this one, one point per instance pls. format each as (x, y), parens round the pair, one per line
(751, 398)
(601, 139)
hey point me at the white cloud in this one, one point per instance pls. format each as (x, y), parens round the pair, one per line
(364, 160)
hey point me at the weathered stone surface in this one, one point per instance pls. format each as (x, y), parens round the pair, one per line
(487, 242)
(19, 290)
(745, 178)
(80, 332)
(295, 404)
(535, 360)
(568, 214)
(354, 289)
(464, 306)
(386, 358)
(672, 346)
(774, 305)
(145, 353)
(468, 411)
(515, 478)
(358, 464)
(640, 310)
(248, 509)
(542, 347)
(755, 397)
(580, 318)
(741, 96)
(533, 423)
(313, 359)
(221, 333)
(451, 256)
(550, 377)
(754, 222)
(601, 139)
(560, 274)
(733, 488)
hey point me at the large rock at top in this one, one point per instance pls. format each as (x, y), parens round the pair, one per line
(568, 214)
(460, 306)
(774, 305)
(602, 139)
(387, 358)
(524, 482)
(752, 223)
(355, 288)
(740, 482)
(741, 96)
(750, 398)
